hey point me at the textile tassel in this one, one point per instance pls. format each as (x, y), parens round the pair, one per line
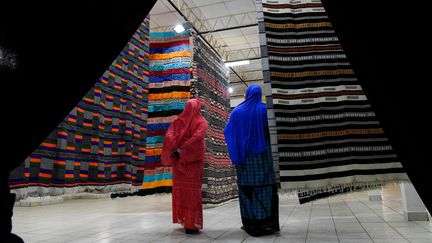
(331, 191)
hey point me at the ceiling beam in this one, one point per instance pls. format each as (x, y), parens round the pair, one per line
(250, 59)
(229, 28)
(250, 71)
(247, 81)
(245, 54)
(229, 21)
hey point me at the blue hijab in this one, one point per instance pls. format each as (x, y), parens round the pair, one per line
(244, 132)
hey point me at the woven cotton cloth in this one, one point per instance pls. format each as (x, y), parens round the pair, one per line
(328, 138)
(100, 145)
(210, 85)
(169, 82)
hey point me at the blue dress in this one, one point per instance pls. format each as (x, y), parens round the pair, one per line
(258, 196)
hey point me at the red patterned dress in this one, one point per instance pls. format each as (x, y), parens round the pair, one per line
(186, 134)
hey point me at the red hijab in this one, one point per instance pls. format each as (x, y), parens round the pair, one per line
(189, 125)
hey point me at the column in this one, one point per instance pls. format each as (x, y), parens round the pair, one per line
(413, 207)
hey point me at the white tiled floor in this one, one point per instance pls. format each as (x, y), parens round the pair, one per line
(349, 218)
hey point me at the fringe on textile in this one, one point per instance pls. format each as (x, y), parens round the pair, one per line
(306, 195)
(38, 191)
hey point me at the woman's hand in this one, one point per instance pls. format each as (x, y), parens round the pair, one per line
(176, 154)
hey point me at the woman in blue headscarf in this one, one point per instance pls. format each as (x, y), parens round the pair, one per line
(248, 141)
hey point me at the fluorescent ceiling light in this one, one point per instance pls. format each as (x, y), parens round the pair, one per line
(230, 90)
(179, 28)
(238, 63)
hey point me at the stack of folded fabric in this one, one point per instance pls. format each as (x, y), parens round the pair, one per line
(169, 91)
(210, 86)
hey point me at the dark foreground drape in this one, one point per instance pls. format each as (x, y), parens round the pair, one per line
(49, 46)
(385, 42)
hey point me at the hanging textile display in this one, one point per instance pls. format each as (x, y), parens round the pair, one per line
(210, 85)
(329, 140)
(100, 145)
(169, 90)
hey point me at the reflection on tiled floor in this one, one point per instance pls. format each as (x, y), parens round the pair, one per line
(349, 218)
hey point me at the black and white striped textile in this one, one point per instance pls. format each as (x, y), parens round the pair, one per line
(328, 138)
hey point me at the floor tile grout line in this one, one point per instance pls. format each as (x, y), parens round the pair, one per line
(387, 206)
(391, 208)
(415, 222)
(385, 221)
(355, 216)
(289, 216)
(334, 224)
(294, 219)
(428, 229)
(221, 235)
(157, 239)
(224, 233)
(310, 215)
(165, 235)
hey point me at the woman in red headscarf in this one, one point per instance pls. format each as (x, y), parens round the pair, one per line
(184, 149)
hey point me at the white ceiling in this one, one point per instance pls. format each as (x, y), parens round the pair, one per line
(239, 43)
